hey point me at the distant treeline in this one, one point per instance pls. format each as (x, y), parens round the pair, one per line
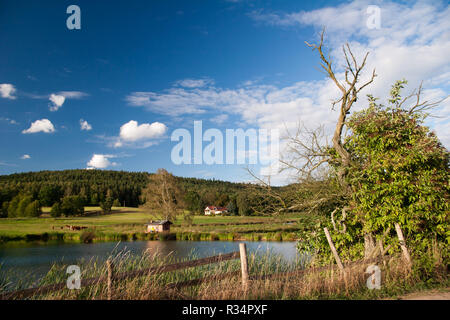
(88, 187)
(23, 194)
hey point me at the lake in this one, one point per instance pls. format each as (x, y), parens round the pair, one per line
(35, 260)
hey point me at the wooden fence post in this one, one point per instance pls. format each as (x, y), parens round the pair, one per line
(401, 239)
(244, 265)
(333, 249)
(110, 268)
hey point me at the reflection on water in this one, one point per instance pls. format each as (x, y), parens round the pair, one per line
(36, 259)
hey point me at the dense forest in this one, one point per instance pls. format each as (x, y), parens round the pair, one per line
(67, 191)
(83, 187)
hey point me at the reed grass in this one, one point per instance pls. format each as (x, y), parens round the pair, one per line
(330, 284)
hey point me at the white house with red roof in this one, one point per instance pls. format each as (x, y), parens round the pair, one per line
(215, 210)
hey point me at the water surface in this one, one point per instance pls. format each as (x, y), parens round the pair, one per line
(35, 260)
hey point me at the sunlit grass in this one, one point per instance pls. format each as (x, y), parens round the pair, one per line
(129, 221)
(328, 284)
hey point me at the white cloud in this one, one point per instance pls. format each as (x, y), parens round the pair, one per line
(43, 125)
(256, 105)
(178, 101)
(221, 118)
(10, 121)
(101, 161)
(132, 132)
(84, 125)
(57, 101)
(25, 156)
(175, 101)
(73, 94)
(194, 83)
(59, 98)
(7, 90)
(402, 48)
(412, 43)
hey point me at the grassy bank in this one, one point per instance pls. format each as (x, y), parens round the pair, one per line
(129, 224)
(332, 284)
(92, 236)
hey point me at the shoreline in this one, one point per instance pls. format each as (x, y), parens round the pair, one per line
(94, 237)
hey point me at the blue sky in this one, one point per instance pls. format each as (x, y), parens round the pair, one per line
(110, 94)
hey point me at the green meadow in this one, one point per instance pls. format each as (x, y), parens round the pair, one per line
(125, 223)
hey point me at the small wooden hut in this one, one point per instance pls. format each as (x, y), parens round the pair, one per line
(158, 226)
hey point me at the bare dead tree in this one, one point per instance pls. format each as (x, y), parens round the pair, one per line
(349, 95)
(162, 195)
(308, 152)
(310, 155)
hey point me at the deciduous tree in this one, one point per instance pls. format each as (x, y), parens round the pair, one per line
(163, 196)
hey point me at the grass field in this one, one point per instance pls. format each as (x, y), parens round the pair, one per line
(129, 223)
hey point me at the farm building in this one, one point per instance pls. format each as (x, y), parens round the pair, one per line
(215, 210)
(158, 226)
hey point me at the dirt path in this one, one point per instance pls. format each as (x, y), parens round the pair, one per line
(442, 294)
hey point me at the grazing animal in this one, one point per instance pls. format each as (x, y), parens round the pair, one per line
(75, 227)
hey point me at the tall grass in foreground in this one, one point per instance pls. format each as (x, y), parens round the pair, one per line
(331, 284)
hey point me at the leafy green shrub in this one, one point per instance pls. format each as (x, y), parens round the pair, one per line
(400, 172)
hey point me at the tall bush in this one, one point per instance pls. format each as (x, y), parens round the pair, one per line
(399, 173)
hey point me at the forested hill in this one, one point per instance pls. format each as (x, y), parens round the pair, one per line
(94, 186)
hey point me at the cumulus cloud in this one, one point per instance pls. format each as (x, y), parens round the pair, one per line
(84, 125)
(101, 161)
(137, 135)
(131, 131)
(25, 156)
(57, 99)
(7, 90)
(43, 125)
